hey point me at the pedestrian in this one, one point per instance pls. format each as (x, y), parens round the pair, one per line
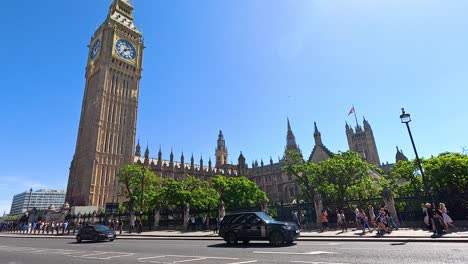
(132, 224)
(445, 217)
(204, 222)
(344, 226)
(324, 219)
(364, 221)
(390, 219)
(437, 222)
(295, 218)
(339, 220)
(358, 219)
(428, 216)
(215, 230)
(372, 216)
(192, 222)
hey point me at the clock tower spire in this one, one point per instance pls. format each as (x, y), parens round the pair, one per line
(107, 128)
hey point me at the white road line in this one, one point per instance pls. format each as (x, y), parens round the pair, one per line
(139, 259)
(250, 261)
(94, 254)
(313, 262)
(201, 257)
(119, 256)
(320, 244)
(293, 253)
(188, 260)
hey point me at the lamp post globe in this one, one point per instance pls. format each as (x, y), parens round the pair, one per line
(406, 119)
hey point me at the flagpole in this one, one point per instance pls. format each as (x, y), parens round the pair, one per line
(355, 117)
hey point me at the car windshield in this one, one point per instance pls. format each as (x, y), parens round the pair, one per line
(265, 217)
(102, 228)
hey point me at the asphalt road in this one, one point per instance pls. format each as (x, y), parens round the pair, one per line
(62, 251)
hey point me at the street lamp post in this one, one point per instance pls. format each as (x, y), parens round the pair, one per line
(140, 225)
(29, 200)
(406, 118)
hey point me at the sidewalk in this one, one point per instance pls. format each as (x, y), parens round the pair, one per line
(401, 235)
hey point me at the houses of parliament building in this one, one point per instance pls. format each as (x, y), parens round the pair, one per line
(107, 128)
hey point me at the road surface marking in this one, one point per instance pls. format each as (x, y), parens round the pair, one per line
(119, 256)
(250, 261)
(313, 262)
(293, 253)
(320, 244)
(139, 259)
(96, 253)
(187, 260)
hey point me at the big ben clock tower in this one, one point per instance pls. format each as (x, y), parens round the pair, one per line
(106, 135)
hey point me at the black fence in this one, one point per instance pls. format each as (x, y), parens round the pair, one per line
(409, 212)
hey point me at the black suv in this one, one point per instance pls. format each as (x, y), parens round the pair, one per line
(257, 226)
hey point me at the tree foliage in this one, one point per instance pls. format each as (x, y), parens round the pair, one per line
(447, 174)
(189, 191)
(345, 176)
(141, 186)
(238, 192)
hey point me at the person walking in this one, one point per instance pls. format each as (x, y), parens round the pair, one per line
(364, 221)
(447, 220)
(324, 219)
(372, 216)
(390, 219)
(358, 219)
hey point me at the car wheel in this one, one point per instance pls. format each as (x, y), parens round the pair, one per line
(78, 239)
(111, 240)
(246, 241)
(95, 238)
(276, 239)
(231, 239)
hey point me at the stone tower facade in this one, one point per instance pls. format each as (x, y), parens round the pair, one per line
(106, 135)
(362, 141)
(221, 151)
(291, 144)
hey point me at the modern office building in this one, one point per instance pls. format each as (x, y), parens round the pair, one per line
(40, 199)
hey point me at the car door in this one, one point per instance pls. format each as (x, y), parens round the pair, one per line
(254, 226)
(237, 224)
(85, 233)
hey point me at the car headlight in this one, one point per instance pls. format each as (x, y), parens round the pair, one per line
(288, 227)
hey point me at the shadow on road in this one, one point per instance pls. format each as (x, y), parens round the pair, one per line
(86, 242)
(250, 245)
(399, 244)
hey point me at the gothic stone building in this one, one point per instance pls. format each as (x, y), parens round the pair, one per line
(270, 177)
(106, 135)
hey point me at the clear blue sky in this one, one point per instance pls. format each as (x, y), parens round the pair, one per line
(242, 66)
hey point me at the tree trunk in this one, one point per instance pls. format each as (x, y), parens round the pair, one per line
(186, 216)
(318, 208)
(157, 217)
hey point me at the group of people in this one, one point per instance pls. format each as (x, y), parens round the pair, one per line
(39, 227)
(437, 219)
(298, 218)
(382, 220)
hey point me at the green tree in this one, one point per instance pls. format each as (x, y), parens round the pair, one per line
(307, 174)
(189, 191)
(238, 192)
(141, 187)
(447, 174)
(344, 176)
(404, 179)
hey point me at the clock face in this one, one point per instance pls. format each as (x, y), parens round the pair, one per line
(95, 50)
(125, 49)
